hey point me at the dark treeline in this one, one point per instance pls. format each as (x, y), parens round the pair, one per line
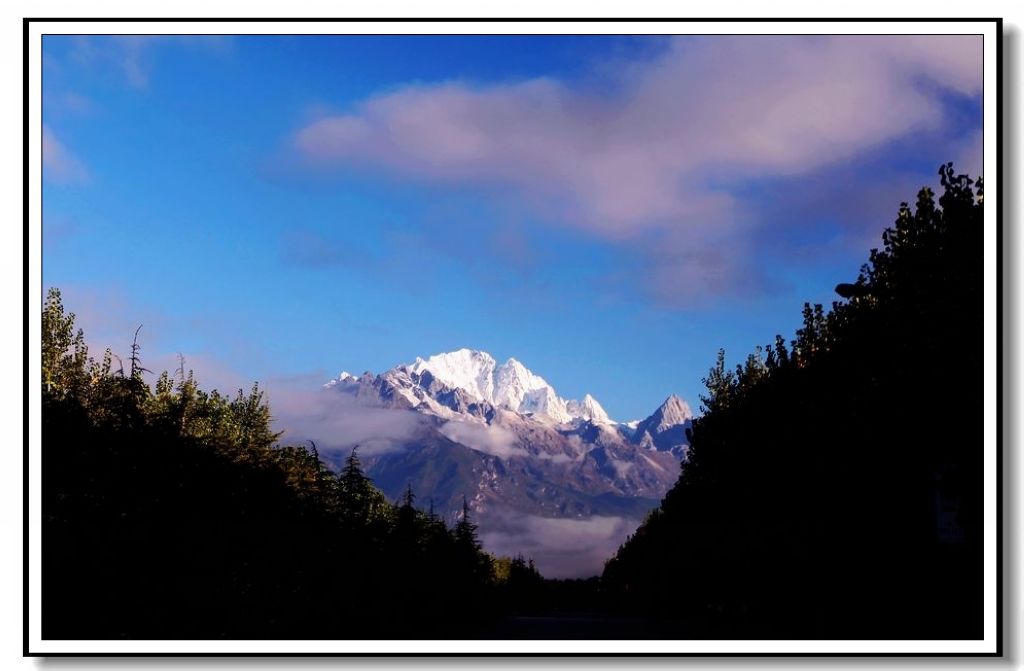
(834, 485)
(172, 513)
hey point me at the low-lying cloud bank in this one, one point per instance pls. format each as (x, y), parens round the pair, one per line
(493, 440)
(561, 548)
(337, 421)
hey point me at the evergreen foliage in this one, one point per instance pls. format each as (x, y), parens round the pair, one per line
(172, 512)
(834, 489)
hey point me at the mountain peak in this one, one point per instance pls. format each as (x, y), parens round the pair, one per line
(666, 428)
(464, 353)
(510, 386)
(467, 369)
(468, 384)
(513, 368)
(674, 411)
(590, 409)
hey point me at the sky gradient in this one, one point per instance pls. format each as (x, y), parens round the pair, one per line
(609, 210)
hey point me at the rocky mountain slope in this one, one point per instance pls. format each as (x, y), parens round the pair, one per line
(499, 435)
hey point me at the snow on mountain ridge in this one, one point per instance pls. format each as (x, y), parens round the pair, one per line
(673, 411)
(590, 409)
(466, 369)
(471, 383)
(500, 433)
(510, 385)
(666, 428)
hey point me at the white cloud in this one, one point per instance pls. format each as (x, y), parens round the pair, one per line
(337, 421)
(654, 165)
(493, 440)
(59, 164)
(131, 58)
(560, 547)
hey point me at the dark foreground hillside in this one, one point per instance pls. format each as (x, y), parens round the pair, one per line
(171, 513)
(834, 486)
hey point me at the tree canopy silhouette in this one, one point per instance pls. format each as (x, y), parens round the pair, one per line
(833, 487)
(172, 512)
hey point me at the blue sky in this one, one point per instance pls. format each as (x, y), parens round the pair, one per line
(610, 210)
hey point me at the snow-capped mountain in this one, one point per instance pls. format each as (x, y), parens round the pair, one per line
(666, 428)
(499, 434)
(510, 386)
(589, 409)
(471, 386)
(474, 378)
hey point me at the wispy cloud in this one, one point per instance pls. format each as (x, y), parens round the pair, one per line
(59, 163)
(124, 54)
(493, 440)
(337, 421)
(655, 166)
(131, 58)
(561, 547)
(68, 103)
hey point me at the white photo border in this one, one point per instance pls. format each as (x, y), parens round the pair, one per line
(990, 645)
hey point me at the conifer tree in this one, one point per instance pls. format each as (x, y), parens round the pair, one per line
(360, 502)
(719, 383)
(186, 516)
(465, 529)
(64, 353)
(816, 481)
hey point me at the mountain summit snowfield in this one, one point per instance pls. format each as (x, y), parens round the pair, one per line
(554, 478)
(432, 385)
(510, 385)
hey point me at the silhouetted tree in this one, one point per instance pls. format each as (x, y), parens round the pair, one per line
(465, 529)
(835, 491)
(186, 519)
